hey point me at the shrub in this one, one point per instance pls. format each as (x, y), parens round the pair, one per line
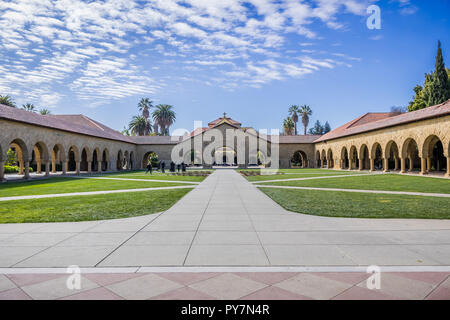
(14, 169)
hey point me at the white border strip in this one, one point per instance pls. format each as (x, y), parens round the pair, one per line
(311, 269)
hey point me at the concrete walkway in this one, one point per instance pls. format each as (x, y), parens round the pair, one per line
(226, 221)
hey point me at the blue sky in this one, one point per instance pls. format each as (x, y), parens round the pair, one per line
(251, 59)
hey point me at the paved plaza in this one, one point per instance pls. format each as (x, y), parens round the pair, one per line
(226, 240)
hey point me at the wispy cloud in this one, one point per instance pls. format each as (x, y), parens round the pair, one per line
(94, 49)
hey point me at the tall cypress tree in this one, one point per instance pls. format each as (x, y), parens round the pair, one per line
(440, 87)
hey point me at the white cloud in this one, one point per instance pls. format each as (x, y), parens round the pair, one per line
(98, 49)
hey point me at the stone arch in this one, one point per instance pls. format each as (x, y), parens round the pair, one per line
(132, 162)
(434, 153)
(58, 156)
(105, 159)
(323, 157)
(23, 156)
(96, 164)
(119, 162)
(152, 157)
(410, 156)
(344, 158)
(299, 159)
(225, 156)
(391, 156)
(353, 158)
(73, 159)
(330, 159)
(364, 157)
(376, 157)
(39, 156)
(85, 161)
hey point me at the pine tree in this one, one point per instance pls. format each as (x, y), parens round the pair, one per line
(326, 128)
(436, 89)
(440, 88)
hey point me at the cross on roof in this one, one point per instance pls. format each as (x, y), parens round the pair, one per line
(224, 115)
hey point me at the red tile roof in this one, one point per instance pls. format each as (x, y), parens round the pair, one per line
(70, 123)
(375, 121)
(212, 124)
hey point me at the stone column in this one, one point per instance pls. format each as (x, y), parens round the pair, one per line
(77, 170)
(396, 164)
(47, 168)
(361, 165)
(423, 166)
(428, 164)
(65, 167)
(350, 164)
(26, 170)
(386, 164)
(99, 166)
(372, 164)
(2, 171)
(447, 174)
(402, 165)
(20, 167)
(411, 164)
(53, 166)
(89, 168)
(38, 167)
(321, 163)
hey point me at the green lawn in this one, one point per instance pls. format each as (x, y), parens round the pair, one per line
(154, 176)
(360, 205)
(387, 182)
(69, 185)
(298, 173)
(87, 208)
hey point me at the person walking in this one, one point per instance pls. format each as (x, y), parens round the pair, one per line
(149, 168)
(163, 167)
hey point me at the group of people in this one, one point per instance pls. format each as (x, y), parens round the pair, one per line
(181, 167)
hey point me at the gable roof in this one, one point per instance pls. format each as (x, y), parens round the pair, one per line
(376, 121)
(224, 119)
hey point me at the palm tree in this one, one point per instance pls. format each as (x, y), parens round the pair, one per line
(305, 112)
(288, 126)
(29, 107)
(164, 117)
(144, 106)
(44, 111)
(7, 101)
(293, 112)
(139, 126)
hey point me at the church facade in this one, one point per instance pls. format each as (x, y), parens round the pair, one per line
(416, 141)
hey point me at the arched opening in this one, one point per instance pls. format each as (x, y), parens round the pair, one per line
(299, 160)
(150, 157)
(131, 160)
(58, 158)
(392, 156)
(344, 158)
(433, 151)
(192, 158)
(364, 158)
(72, 159)
(377, 157)
(324, 159)
(95, 165)
(354, 161)
(318, 162)
(410, 156)
(84, 164)
(39, 157)
(330, 159)
(119, 163)
(225, 156)
(17, 158)
(105, 160)
(126, 160)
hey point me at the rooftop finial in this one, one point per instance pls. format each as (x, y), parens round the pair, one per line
(224, 115)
